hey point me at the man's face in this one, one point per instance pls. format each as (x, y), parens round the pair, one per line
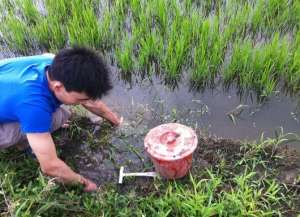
(70, 98)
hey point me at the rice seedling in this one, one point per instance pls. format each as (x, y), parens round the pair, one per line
(176, 49)
(258, 68)
(292, 76)
(124, 55)
(236, 18)
(141, 25)
(208, 53)
(241, 54)
(83, 28)
(119, 11)
(136, 7)
(7, 5)
(50, 34)
(59, 9)
(294, 18)
(150, 48)
(160, 14)
(179, 41)
(105, 31)
(30, 12)
(16, 34)
(276, 59)
(187, 6)
(276, 14)
(270, 16)
(257, 14)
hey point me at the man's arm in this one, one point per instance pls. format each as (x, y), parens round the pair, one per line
(43, 147)
(99, 108)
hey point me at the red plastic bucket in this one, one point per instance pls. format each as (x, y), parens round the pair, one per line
(170, 147)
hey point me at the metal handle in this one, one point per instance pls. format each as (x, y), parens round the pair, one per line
(150, 174)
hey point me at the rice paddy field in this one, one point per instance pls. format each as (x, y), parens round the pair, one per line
(252, 44)
(230, 69)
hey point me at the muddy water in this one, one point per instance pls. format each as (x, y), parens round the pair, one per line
(217, 112)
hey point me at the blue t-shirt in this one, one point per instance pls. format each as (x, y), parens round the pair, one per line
(25, 96)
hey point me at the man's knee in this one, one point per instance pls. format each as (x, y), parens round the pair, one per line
(60, 117)
(10, 134)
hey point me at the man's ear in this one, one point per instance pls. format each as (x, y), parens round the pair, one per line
(57, 85)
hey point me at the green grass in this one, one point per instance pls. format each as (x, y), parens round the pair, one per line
(16, 34)
(30, 12)
(125, 56)
(150, 48)
(292, 77)
(178, 37)
(49, 34)
(83, 27)
(258, 67)
(208, 53)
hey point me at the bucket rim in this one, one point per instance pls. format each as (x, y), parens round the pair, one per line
(170, 157)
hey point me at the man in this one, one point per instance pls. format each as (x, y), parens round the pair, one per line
(31, 92)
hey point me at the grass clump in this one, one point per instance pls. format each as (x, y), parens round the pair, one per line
(258, 68)
(50, 34)
(292, 76)
(125, 56)
(236, 19)
(150, 48)
(83, 27)
(16, 34)
(208, 53)
(30, 12)
(177, 48)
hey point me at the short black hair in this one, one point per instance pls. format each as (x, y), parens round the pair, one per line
(81, 70)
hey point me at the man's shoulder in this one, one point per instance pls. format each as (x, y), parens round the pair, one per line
(25, 60)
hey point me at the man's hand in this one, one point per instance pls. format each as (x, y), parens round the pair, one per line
(121, 120)
(99, 108)
(44, 149)
(89, 185)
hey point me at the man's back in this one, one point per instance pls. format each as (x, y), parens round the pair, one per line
(25, 95)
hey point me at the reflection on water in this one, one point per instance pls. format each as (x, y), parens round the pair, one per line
(217, 112)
